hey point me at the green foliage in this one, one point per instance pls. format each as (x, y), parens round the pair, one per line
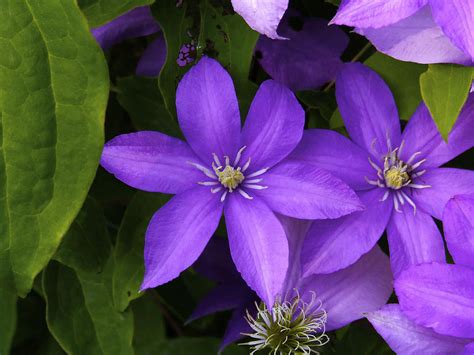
(99, 12)
(54, 92)
(7, 319)
(78, 290)
(445, 88)
(129, 268)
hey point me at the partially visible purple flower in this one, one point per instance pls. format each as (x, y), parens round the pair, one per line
(423, 31)
(138, 22)
(336, 299)
(309, 59)
(397, 176)
(262, 15)
(221, 168)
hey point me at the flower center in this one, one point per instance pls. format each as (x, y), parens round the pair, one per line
(292, 327)
(396, 175)
(230, 177)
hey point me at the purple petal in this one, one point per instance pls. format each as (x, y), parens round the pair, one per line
(262, 15)
(439, 296)
(422, 135)
(295, 230)
(407, 338)
(416, 39)
(469, 349)
(326, 245)
(178, 233)
(221, 298)
(153, 58)
(368, 109)
(237, 325)
(136, 23)
(151, 161)
(456, 18)
(208, 111)
(274, 126)
(347, 294)
(215, 262)
(309, 59)
(375, 13)
(458, 222)
(335, 153)
(304, 191)
(413, 239)
(445, 183)
(258, 245)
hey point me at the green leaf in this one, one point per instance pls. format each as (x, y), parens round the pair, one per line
(175, 25)
(7, 319)
(199, 346)
(229, 39)
(359, 338)
(78, 289)
(99, 12)
(150, 332)
(52, 101)
(143, 101)
(445, 88)
(129, 264)
(403, 80)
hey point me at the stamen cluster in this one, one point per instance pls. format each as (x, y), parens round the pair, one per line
(292, 327)
(231, 177)
(397, 174)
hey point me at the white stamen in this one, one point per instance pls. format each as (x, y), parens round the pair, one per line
(409, 200)
(375, 166)
(203, 169)
(400, 197)
(413, 167)
(239, 155)
(246, 166)
(255, 187)
(258, 172)
(395, 203)
(244, 194)
(418, 186)
(208, 183)
(253, 181)
(418, 173)
(413, 157)
(216, 159)
(223, 196)
(216, 189)
(385, 196)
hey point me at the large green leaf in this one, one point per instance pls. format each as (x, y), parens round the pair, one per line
(142, 99)
(53, 94)
(445, 88)
(99, 12)
(78, 290)
(129, 265)
(229, 39)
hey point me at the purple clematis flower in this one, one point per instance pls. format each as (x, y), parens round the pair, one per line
(397, 176)
(262, 15)
(341, 297)
(309, 59)
(423, 31)
(223, 169)
(138, 22)
(436, 311)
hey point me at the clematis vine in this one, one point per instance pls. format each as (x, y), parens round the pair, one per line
(422, 31)
(397, 176)
(138, 22)
(219, 169)
(304, 308)
(311, 56)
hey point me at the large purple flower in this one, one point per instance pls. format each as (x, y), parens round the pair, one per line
(343, 296)
(138, 22)
(423, 31)
(436, 311)
(309, 59)
(223, 169)
(397, 176)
